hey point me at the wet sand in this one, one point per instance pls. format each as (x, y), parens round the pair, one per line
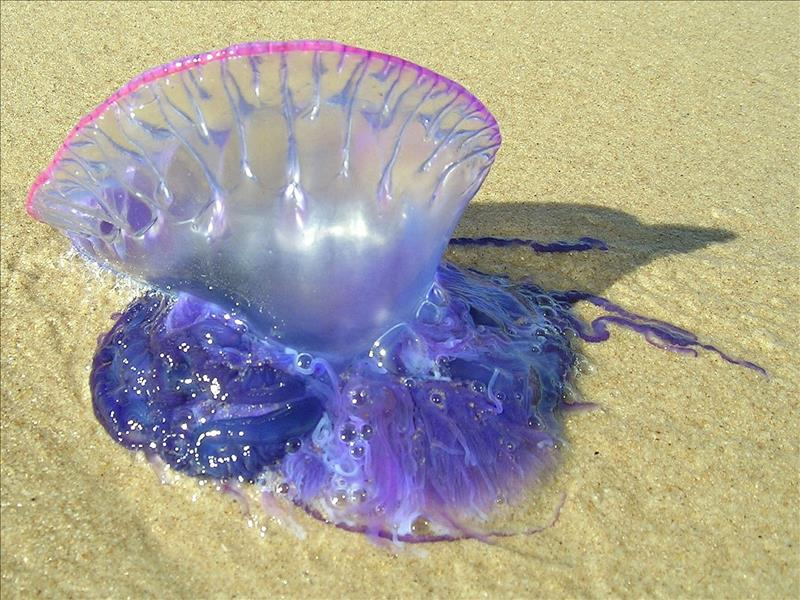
(670, 131)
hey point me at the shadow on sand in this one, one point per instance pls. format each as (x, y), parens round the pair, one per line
(631, 242)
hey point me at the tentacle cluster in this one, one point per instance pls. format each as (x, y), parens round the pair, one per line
(441, 417)
(416, 437)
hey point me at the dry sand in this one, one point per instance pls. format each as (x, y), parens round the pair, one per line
(671, 131)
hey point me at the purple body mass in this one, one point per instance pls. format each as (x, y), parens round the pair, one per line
(444, 416)
(290, 203)
(441, 417)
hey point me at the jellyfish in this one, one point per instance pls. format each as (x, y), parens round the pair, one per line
(288, 205)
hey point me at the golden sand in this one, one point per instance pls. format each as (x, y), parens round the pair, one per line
(670, 130)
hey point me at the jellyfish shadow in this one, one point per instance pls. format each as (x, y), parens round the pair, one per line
(631, 242)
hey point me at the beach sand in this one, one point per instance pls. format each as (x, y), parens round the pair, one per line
(670, 131)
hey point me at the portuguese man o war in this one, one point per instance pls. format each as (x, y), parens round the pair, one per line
(289, 204)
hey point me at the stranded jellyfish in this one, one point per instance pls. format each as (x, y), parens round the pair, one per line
(289, 204)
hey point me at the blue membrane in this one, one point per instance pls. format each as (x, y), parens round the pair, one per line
(433, 424)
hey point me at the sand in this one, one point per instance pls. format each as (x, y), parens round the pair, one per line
(670, 131)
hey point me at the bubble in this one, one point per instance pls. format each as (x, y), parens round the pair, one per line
(303, 361)
(357, 451)
(282, 488)
(429, 313)
(421, 526)
(367, 431)
(347, 433)
(360, 496)
(293, 445)
(437, 397)
(359, 397)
